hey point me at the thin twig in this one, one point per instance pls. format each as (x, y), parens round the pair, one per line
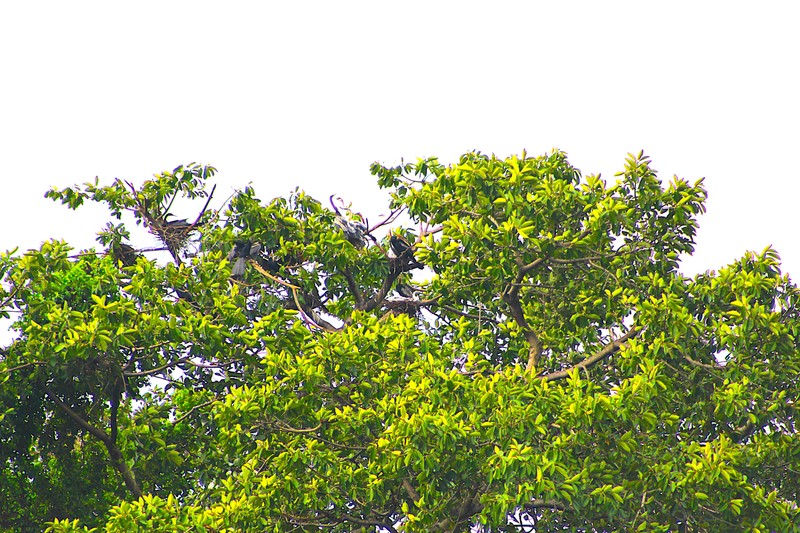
(193, 409)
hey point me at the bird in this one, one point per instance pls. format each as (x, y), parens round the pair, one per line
(404, 252)
(177, 224)
(173, 233)
(355, 231)
(407, 290)
(267, 260)
(241, 251)
(124, 253)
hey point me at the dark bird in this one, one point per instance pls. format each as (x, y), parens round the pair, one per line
(241, 251)
(404, 252)
(124, 253)
(268, 261)
(177, 224)
(173, 233)
(406, 290)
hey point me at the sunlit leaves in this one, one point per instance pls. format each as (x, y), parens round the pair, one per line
(265, 420)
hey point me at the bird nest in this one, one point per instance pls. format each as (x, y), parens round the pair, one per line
(174, 235)
(402, 307)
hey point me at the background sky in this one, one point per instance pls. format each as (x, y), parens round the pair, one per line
(309, 94)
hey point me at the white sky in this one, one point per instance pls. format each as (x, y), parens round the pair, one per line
(310, 93)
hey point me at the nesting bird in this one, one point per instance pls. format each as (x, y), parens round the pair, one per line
(180, 224)
(123, 253)
(173, 233)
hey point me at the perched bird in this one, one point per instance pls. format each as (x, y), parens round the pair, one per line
(355, 231)
(241, 251)
(267, 260)
(406, 290)
(404, 252)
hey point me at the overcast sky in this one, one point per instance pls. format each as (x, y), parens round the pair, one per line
(309, 94)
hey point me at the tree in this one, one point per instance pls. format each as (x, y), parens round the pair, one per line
(549, 369)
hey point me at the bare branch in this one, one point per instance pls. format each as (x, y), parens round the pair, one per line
(116, 396)
(20, 367)
(351, 284)
(114, 452)
(10, 297)
(83, 424)
(202, 212)
(511, 297)
(430, 231)
(287, 428)
(383, 292)
(545, 504)
(587, 259)
(186, 415)
(157, 369)
(469, 506)
(703, 365)
(391, 217)
(524, 269)
(412, 492)
(744, 431)
(382, 525)
(607, 350)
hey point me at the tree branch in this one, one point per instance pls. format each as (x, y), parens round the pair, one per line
(157, 369)
(185, 415)
(351, 284)
(289, 429)
(99, 434)
(703, 365)
(511, 296)
(412, 492)
(383, 292)
(544, 504)
(592, 360)
(113, 451)
(20, 367)
(746, 430)
(362, 522)
(389, 219)
(116, 393)
(202, 211)
(524, 269)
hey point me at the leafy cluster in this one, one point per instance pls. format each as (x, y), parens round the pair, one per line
(549, 369)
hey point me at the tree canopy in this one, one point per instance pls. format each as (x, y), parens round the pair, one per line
(510, 348)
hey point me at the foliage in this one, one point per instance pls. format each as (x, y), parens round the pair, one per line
(550, 369)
